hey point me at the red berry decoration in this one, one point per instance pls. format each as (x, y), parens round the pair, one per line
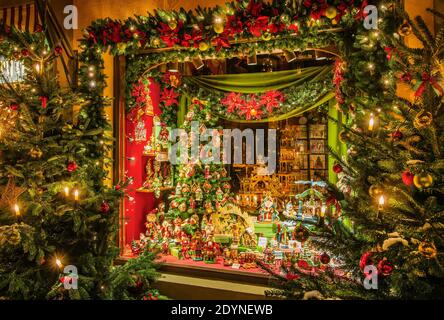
(58, 50)
(397, 135)
(325, 258)
(25, 53)
(337, 168)
(385, 267)
(72, 166)
(407, 178)
(104, 207)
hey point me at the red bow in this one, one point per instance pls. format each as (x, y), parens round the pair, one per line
(428, 79)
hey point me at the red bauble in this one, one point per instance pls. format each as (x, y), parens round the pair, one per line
(397, 135)
(58, 50)
(44, 101)
(337, 168)
(25, 52)
(117, 187)
(72, 166)
(407, 178)
(14, 107)
(385, 267)
(325, 258)
(104, 207)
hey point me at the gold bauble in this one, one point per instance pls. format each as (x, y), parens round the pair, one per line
(405, 29)
(172, 24)
(423, 180)
(266, 36)
(156, 42)
(183, 207)
(218, 28)
(344, 136)
(203, 46)
(375, 191)
(427, 249)
(423, 119)
(331, 12)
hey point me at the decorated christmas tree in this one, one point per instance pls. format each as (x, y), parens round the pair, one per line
(58, 220)
(389, 240)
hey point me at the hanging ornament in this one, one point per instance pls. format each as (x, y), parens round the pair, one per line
(192, 203)
(325, 258)
(174, 204)
(423, 180)
(71, 166)
(104, 207)
(179, 189)
(172, 24)
(385, 267)
(407, 178)
(405, 29)
(427, 249)
(208, 207)
(190, 115)
(375, 191)
(198, 193)
(422, 120)
(207, 172)
(331, 12)
(397, 135)
(344, 136)
(337, 168)
(25, 53)
(219, 194)
(44, 101)
(207, 186)
(185, 189)
(218, 25)
(301, 233)
(35, 153)
(140, 131)
(226, 186)
(183, 207)
(58, 50)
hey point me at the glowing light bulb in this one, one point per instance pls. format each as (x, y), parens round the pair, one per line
(381, 202)
(76, 195)
(66, 189)
(323, 210)
(371, 123)
(59, 263)
(17, 210)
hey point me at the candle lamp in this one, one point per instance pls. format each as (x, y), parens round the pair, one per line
(371, 122)
(66, 189)
(17, 210)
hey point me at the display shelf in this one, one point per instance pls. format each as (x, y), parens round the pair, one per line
(143, 190)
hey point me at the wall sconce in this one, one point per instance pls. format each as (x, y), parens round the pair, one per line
(198, 63)
(173, 66)
(289, 56)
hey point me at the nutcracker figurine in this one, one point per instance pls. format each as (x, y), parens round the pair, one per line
(177, 229)
(197, 246)
(185, 247)
(210, 251)
(165, 247)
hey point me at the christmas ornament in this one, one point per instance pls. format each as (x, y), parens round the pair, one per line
(207, 186)
(331, 12)
(58, 50)
(104, 207)
(337, 168)
(172, 24)
(375, 191)
(407, 178)
(427, 249)
(10, 193)
(405, 29)
(325, 258)
(266, 36)
(422, 120)
(203, 46)
(183, 207)
(25, 53)
(71, 166)
(218, 26)
(301, 233)
(135, 248)
(198, 193)
(397, 135)
(35, 153)
(344, 136)
(43, 101)
(423, 180)
(385, 267)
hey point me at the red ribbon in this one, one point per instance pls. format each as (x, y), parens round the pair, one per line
(428, 79)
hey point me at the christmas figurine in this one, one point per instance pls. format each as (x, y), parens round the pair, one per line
(197, 246)
(227, 257)
(267, 211)
(210, 251)
(165, 247)
(178, 229)
(185, 247)
(289, 211)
